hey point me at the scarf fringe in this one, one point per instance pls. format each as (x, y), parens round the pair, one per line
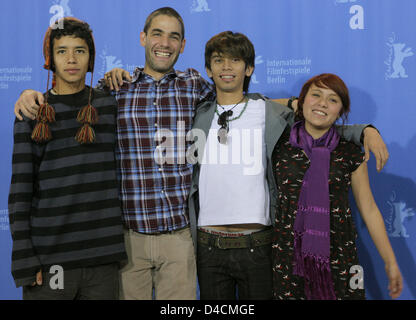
(298, 263)
(318, 279)
(315, 270)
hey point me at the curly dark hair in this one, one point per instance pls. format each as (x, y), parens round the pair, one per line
(78, 29)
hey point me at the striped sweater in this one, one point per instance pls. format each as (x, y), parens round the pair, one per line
(64, 206)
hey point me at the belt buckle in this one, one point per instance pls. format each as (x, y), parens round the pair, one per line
(218, 243)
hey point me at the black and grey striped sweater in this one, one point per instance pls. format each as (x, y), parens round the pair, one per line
(64, 206)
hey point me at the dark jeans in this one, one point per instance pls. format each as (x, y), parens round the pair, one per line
(91, 283)
(225, 273)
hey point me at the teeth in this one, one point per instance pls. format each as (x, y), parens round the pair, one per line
(320, 112)
(227, 77)
(162, 54)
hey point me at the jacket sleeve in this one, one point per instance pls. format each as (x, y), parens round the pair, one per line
(352, 133)
(25, 263)
(284, 111)
(206, 91)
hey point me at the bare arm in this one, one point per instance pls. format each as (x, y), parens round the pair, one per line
(375, 225)
(374, 142)
(370, 138)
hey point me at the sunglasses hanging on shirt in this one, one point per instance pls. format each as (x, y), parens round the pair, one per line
(223, 122)
(224, 119)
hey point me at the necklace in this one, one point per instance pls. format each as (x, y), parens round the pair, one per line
(223, 121)
(230, 113)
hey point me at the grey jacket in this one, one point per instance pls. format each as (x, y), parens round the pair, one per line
(277, 117)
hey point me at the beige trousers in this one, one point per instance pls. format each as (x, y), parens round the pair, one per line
(165, 262)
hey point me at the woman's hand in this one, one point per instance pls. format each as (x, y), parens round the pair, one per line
(395, 280)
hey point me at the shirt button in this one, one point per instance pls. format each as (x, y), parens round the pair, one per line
(156, 125)
(160, 169)
(154, 103)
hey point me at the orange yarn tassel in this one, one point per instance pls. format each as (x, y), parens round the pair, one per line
(46, 113)
(42, 132)
(88, 114)
(85, 134)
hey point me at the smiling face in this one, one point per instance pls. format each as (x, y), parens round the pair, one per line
(71, 59)
(321, 108)
(228, 73)
(163, 43)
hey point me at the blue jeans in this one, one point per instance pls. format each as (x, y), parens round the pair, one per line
(228, 274)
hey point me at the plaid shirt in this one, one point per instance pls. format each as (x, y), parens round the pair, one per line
(154, 194)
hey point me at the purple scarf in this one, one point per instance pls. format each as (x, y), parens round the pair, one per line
(312, 225)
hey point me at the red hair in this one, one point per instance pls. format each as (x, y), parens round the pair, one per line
(329, 81)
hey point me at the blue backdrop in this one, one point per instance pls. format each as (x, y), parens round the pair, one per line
(369, 43)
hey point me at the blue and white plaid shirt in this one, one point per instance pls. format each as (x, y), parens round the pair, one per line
(154, 194)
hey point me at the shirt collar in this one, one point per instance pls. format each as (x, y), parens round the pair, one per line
(139, 74)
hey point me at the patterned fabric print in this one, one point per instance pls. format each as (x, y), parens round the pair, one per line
(290, 165)
(154, 193)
